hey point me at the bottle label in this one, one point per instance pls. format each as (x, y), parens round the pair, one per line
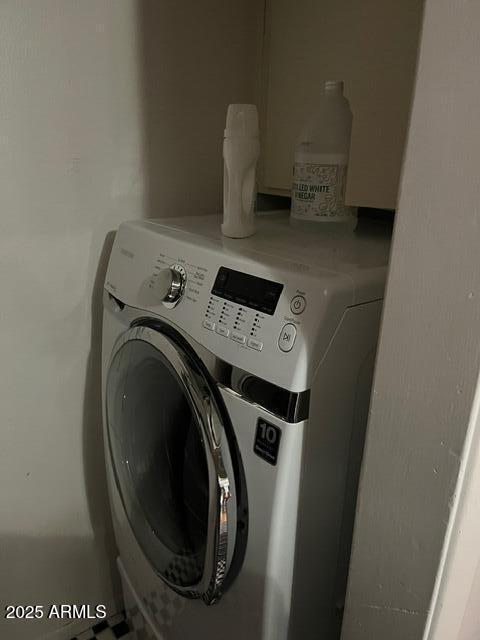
(318, 191)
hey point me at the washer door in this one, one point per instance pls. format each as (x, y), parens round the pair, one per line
(172, 457)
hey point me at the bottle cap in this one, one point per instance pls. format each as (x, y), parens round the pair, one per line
(334, 85)
(242, 121)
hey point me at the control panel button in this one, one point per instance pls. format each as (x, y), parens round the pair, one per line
(287, 336)
(255, 344)
(208, 324)
(238, 337)
(223, 331)
(297, 305)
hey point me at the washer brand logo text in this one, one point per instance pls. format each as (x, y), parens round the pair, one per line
(127, 253)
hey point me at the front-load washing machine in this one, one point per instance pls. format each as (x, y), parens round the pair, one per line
(236, 382)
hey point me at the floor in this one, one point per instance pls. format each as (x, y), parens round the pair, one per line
(111, 629)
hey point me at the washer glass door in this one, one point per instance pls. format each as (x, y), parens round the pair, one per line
(167, 449)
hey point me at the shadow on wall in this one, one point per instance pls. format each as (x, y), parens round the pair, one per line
(93, 449)
(194, 60)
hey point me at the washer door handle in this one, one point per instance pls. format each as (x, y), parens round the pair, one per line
(215, 568)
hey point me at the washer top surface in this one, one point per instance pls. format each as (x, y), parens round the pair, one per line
(357, 255)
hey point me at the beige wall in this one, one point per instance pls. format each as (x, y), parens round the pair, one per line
(369, 44)
(454, 611)
(109, 110)
(429, 355)
(195, 58)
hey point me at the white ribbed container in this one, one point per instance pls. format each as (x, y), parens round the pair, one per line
(320, 166)
(241, 149)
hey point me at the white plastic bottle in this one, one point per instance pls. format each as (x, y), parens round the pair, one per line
(320, 166)
(241, 149)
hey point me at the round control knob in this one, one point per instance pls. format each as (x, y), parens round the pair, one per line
(170, 284)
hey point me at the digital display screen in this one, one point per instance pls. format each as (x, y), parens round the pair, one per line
(247, 290)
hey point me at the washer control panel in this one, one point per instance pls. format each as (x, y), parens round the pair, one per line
(235, 322)
(241, 307)
(259, 312)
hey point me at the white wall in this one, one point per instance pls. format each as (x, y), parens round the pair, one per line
(454, 609)
(109, 110)
(429, 355)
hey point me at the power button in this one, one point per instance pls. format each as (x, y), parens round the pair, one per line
(297, 305)
(287, 337)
